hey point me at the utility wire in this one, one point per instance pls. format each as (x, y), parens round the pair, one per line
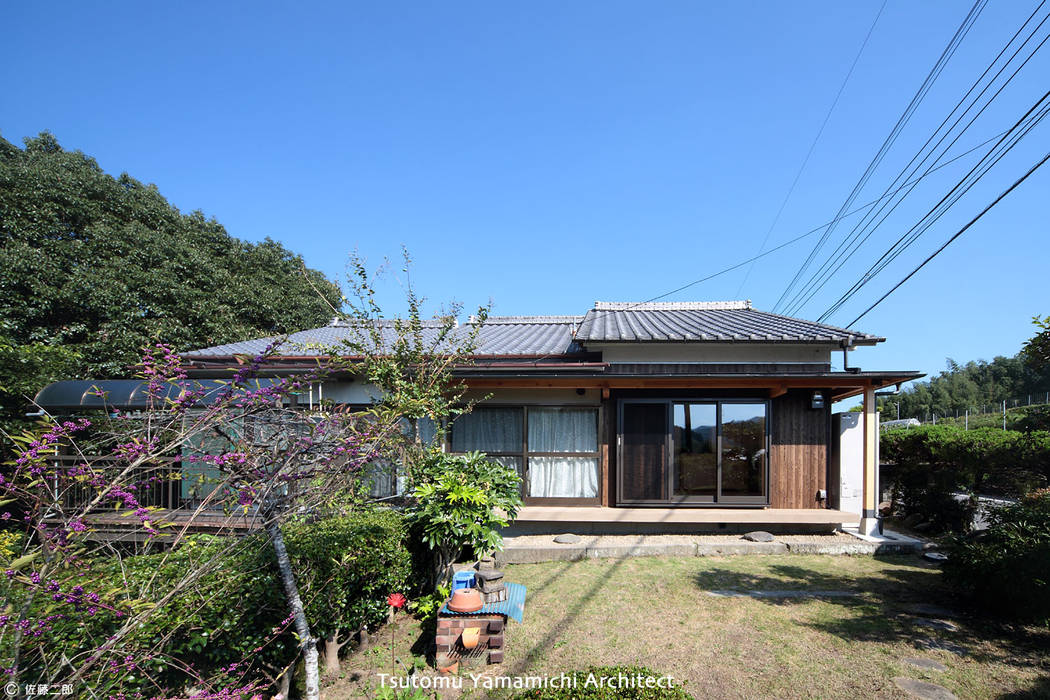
(864, 229)
(917, 98)
(820, 132)
(960, 232)
(1012, 137)
(787, 243)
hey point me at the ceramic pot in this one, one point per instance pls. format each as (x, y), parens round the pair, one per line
(466, 600)
(470, 637)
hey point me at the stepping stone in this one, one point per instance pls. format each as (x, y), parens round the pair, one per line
(758, 536)
(567, 539)
(782, 594)
(935, 557)
(936, 624)
(803, 594)
(924, 690)
(941, 645)
(930, 610)
(927, 664)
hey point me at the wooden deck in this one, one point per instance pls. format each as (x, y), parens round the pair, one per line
(686, 516)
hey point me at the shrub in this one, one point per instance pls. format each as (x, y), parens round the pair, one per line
(1006, 568)
(608, 683)
(347, 566)
(196, 631)
(462, 501)
(933, 463)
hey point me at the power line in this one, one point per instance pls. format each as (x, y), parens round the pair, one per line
(917, 98)
(820, 132)
(864, 229)
(960, 232)
(1011, 138)
(796, 239)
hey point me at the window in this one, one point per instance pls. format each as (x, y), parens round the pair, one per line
(554, 449)
(558, 437)
(693, 451)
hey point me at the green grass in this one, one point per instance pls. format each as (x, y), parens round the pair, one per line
(654, 612)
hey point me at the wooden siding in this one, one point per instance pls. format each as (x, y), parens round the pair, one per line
(607, 437)
(799, 451)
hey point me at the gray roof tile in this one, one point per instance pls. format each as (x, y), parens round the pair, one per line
(559, 335)
(610, 322)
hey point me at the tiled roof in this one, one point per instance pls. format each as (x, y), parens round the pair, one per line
(733, 321)
(500, 335)
(724, 321)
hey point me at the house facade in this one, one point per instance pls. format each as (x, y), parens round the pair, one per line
(695, 415)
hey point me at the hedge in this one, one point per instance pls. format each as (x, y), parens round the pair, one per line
(1006, 568)
(345, 567)
(934, 462)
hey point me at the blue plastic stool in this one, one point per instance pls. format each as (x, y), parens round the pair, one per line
(462, 579)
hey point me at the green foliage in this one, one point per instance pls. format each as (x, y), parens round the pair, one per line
(1023, 418)
(970, 386)
(608, 683)
(234, 611)
(98, 266)
(1006, 569)
(349, 565)
(933, 462)
(198, 629)
(1036, 349)
(462, 501)
(411, 359)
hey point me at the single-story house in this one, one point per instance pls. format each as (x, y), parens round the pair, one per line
(680, 415)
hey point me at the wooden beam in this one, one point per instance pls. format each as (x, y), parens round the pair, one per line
(777, 391)
(869, 516)
(605, 393)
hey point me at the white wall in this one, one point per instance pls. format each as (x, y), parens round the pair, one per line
(712, 352)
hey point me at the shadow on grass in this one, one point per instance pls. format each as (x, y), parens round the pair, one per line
(888, 608)
(1039, 689)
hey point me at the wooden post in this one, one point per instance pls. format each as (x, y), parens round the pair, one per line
(869, 524)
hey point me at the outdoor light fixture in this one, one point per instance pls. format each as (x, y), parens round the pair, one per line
(818, 400)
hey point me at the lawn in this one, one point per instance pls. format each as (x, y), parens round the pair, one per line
(657, 612)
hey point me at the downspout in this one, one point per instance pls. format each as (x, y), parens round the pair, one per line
(847, 345)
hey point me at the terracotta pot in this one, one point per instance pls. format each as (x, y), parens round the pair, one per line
(471, 636)
(466, 600)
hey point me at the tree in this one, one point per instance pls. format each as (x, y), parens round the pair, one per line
(1037, 348)
(101, 266)
(411, 360)
(250, 453)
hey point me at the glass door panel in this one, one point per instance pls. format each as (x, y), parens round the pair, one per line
(643, 452)
(695, 446)
(743, 450)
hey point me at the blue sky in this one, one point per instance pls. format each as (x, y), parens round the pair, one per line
(547, 155)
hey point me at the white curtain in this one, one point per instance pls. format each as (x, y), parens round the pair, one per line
(488, 430)
(563, 477)
(563, 430)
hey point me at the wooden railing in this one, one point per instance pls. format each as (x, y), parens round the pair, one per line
(155, 484)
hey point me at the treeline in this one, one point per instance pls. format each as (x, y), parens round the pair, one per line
(976, 386)
(93, 267)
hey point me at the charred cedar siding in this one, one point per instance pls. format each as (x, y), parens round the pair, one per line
(799, 451)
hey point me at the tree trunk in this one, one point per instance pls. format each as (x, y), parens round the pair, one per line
(331, 655)
(444, 558)
(284, 687)
(306, 640)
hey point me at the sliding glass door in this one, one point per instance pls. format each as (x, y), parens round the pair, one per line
(693, 452)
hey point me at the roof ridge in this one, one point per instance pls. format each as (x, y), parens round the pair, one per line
(740, 305)
(535, 320)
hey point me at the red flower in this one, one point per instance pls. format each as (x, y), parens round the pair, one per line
(396, 600)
